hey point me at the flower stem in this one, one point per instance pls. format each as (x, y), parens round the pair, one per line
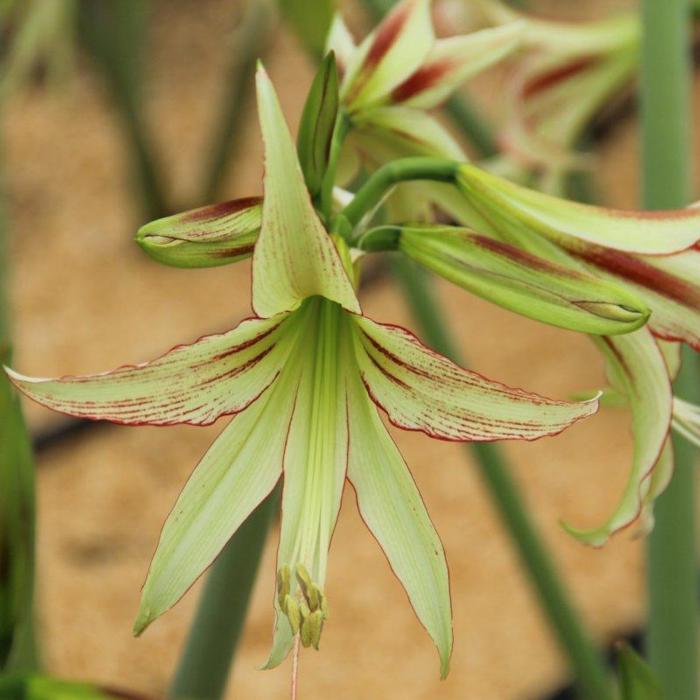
(204, 667)
(672, 640)
(381, 181)
(573, 639)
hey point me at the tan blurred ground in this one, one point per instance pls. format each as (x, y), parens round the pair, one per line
(86, 300)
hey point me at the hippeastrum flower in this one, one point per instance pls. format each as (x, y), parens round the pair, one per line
(564, 76)
(303, 380)
(398, 73)
(654, 255)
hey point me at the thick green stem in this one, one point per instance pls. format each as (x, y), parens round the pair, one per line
(673, 583)
(379, 184)
(573, 639)
(204, 667)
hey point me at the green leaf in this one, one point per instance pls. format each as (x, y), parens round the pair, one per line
(310, 20)
(44, 688)
(574, 225)
(318, 122)
(17, 527)
(205, 237)
(523, 282)
(637, 681)
(392, 508)
(196, 384)
(422, 390)
(637, 369)
(295, 257)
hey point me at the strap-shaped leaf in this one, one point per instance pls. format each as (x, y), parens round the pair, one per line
(454, 60)
(235, 475)
(393, 510)
(294, 257)
(649, 233)
(206, 237)
(317, 124)
(525, 283)
(315, 460)
(637, 680)
(422, 390)
(310, 21)
(389, 55)
(196, 384)
(669, 285)
(401, 131)
(637, 369)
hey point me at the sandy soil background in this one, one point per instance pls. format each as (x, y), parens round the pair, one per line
(86, 299)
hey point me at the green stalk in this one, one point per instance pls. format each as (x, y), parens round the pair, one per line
(672, 640)
(251, 40)
(115, 34)
(588, 668)
(17, 504)
(214, 635)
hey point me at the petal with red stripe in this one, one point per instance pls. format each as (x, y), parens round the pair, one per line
(422, 390)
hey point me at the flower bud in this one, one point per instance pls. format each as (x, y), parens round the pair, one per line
(206, 237)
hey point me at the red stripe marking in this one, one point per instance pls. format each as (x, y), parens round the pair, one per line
(423, 79)
(216, 211)
(546, 80)
(642, 273)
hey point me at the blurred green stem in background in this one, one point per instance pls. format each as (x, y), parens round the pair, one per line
(248, 44)
(672, 641)
(590, 673)
(17, 502)
(211, 644)
(115, 33)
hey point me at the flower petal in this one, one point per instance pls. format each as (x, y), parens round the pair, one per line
(237, 472)
(196, 384)
(315, 461)
(389, 55)
(422, 390)
(669, 285)
(525, 283)
(206, 237)
(454, 60)
(341, 43)
(637, 369)
(406, 132)
(294, 257)
(392, 508)
(658, 480)
(644, 232)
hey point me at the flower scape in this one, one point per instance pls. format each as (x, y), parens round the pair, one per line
(305, 377)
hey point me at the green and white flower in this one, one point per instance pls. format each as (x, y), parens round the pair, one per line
(304, 379)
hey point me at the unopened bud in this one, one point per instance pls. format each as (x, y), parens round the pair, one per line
(206, 237)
